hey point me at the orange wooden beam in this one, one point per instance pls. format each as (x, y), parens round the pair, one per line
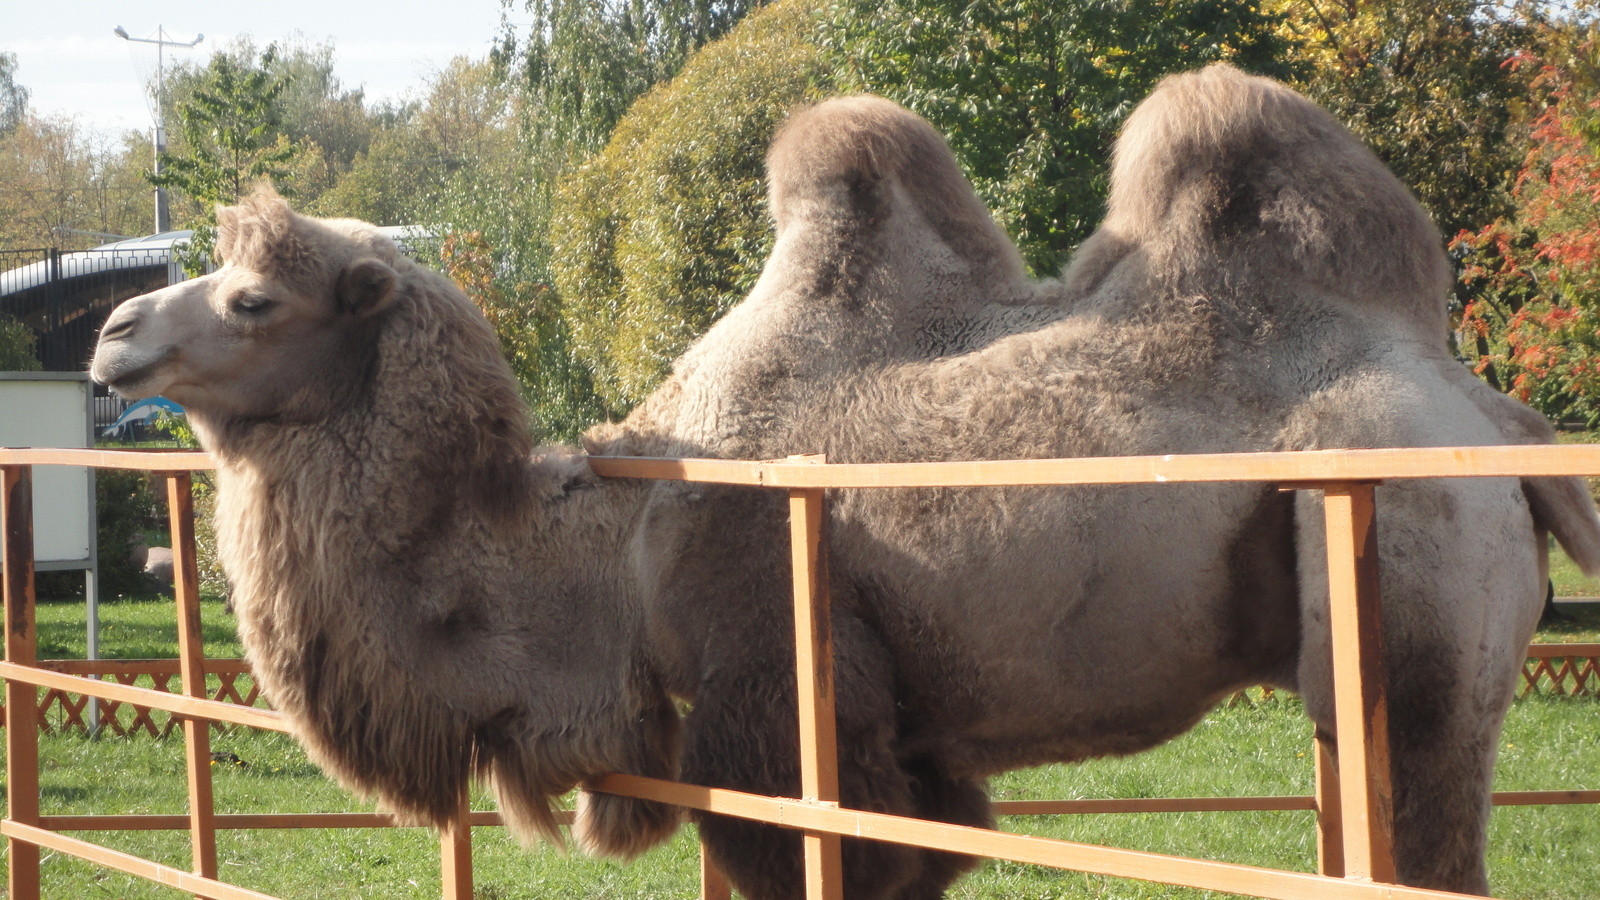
(133, 865)
(1361, 711)
(213, 710)
(1296, 468)
(139, 460)
(1204, 874)
(192, 672)
(455, 854)
(22, 709)
(813, 628)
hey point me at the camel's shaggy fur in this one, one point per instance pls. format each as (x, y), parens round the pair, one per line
(421, 600)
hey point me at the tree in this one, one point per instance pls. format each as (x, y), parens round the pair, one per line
(1426, 84)
(583, 62)
(1031, 93)
(665, 229)
(62, 182)
(233, 139)
(1533, 277)
(575, 71)
(487, 194)
(331, 125)
(13, 96)
(19, 347)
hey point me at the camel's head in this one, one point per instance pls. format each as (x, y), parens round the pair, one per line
(287, 317)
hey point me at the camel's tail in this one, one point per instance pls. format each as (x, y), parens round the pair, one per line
(1561, 506)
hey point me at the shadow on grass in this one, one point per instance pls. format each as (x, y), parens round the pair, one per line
(1571, 623)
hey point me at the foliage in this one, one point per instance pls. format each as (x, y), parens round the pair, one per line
(533, 335)
(1424, 83)
(1534, 311)
(18, 347)
(465, 124)
(1030, 94)
(213, 581)
(486, 196)
(582, 62)
(329, 124)
(667, 227)
(317, 113)
(549, 98)
(126, 506)
(233, 137)
(62, 180)
(13, 96)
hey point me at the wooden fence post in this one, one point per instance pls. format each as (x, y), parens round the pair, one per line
(22, 700)
(192, 672)
(1361, 711)
(813, 624)
(455, 853)
(1330, 822)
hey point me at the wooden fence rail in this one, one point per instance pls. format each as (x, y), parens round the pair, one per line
(1355, 843)
(1558, 670)
(1550, 666)
(65, 711)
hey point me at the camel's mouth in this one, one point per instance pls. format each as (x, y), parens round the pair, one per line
(132, 377)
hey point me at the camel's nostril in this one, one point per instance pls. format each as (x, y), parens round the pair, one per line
(118, 328)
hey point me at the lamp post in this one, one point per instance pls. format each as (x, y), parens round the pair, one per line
(160, 136)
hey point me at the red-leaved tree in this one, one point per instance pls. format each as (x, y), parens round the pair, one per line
(1531, 310)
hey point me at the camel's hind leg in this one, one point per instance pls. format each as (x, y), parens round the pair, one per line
(743, 734)
(1462, 584)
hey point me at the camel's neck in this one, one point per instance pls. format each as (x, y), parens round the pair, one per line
(434, 436)
(412, 509)
(419, 593)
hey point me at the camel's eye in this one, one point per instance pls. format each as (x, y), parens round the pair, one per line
(252, 304)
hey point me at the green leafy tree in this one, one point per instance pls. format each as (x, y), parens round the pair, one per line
(1426, 83)
(1031, 93)
(583, 62)
(13, 96)
(662, 231)
(233, 139)
(667, 227)
(575, 70)
(18, 347)
(466, 125)
(330, 124)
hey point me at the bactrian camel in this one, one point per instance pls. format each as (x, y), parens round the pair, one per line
(429, 597)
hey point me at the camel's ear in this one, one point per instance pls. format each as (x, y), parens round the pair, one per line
(365, 286)
(227, 232)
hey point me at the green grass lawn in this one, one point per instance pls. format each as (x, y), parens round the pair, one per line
(1257, 748)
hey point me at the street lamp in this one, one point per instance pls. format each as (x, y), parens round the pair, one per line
(160, 137)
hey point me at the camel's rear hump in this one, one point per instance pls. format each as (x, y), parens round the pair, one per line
(1219, 171)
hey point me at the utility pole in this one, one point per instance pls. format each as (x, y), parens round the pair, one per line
(163, 222)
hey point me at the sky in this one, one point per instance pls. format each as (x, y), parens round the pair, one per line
(73, 64)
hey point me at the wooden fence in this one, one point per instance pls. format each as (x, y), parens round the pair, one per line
(1558, 670)
(1354, 829)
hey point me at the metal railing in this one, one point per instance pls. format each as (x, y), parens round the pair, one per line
(1351, 800)
(65, 296)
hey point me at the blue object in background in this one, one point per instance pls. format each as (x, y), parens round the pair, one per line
(141, 414)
